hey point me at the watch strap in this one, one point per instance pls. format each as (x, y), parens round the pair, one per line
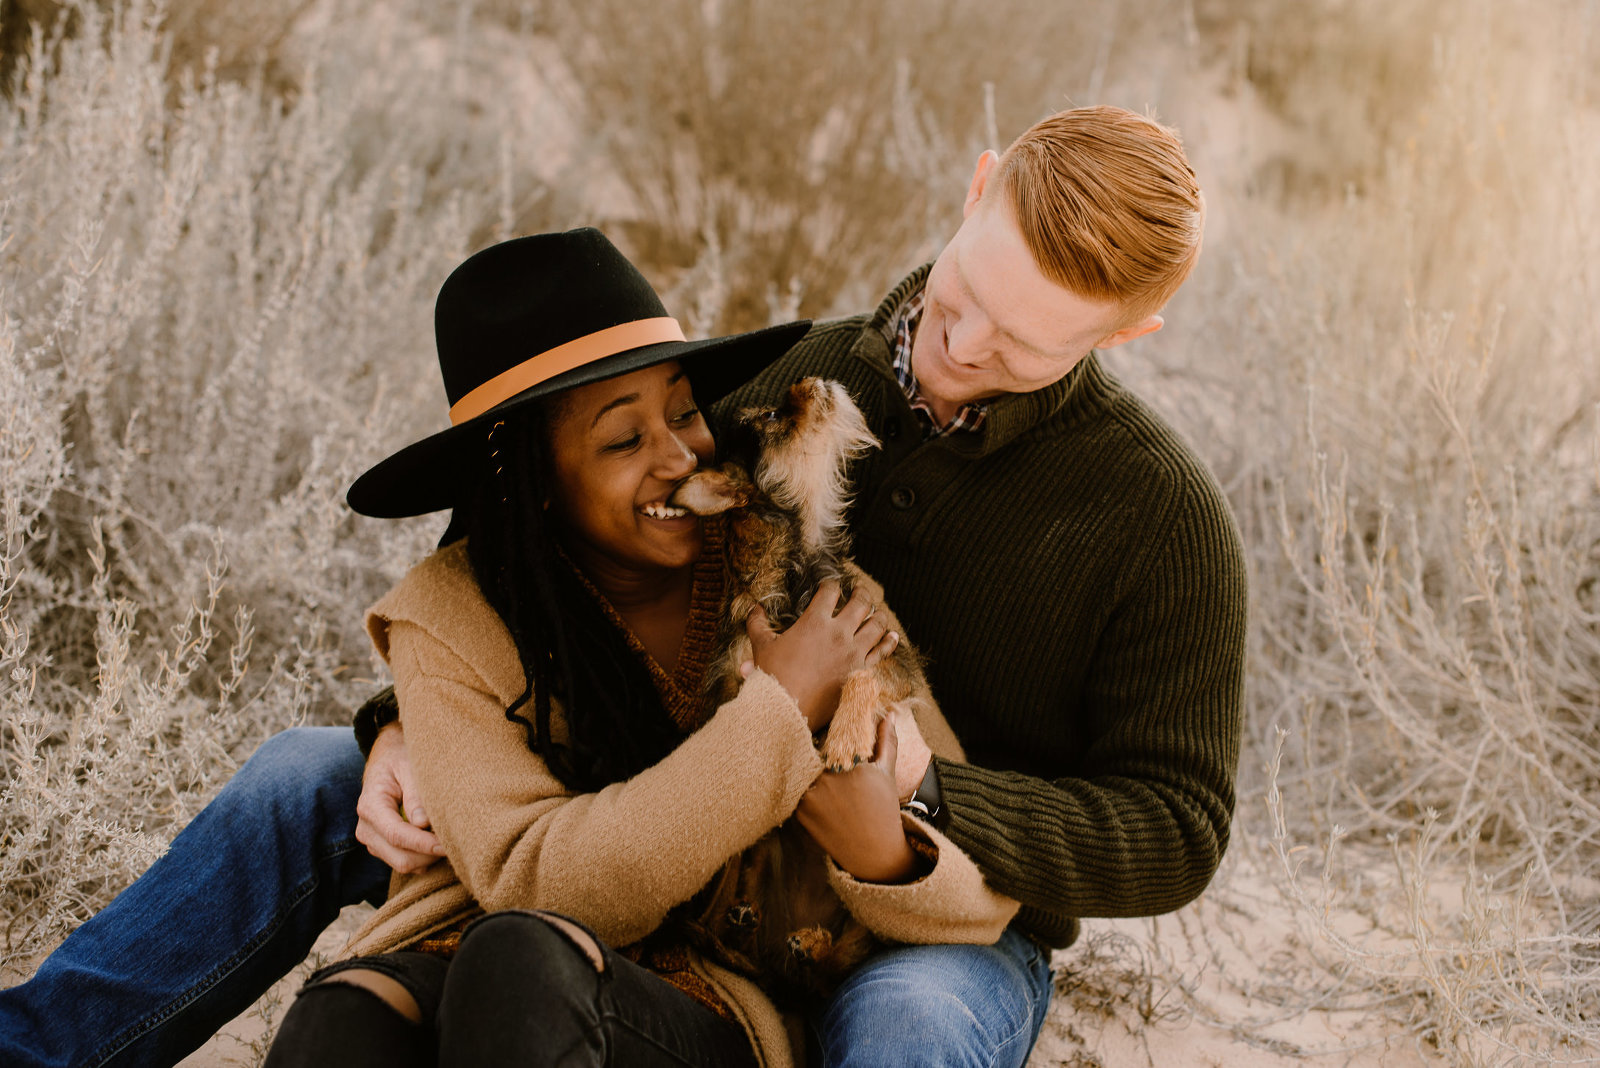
(927, 802)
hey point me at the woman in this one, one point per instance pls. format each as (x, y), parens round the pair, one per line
(547, 664)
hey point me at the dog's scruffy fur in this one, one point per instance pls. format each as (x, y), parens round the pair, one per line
(771, 913)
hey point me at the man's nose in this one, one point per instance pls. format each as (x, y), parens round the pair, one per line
(970, 341)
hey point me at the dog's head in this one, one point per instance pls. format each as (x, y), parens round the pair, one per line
(800, 452)
(803, 451)
(815, 428)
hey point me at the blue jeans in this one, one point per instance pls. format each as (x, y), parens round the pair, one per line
(246, 888)
(232, 906)
(938, 1007)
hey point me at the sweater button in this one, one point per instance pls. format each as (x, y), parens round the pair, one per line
(903, 497)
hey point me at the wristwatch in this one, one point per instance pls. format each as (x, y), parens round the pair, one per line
(926, 803)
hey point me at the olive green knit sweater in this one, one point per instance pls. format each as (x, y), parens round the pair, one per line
(1074, 577)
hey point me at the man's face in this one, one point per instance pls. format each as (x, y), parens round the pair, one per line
(992, 323)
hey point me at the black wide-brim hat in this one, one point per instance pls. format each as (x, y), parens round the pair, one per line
(534, 316)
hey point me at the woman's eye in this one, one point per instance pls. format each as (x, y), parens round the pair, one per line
(622, 444)
(685, 417)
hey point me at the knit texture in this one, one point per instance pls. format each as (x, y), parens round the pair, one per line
(1075, 579)
(621, 858)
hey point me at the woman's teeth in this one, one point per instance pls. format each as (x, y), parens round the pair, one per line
(657, 510)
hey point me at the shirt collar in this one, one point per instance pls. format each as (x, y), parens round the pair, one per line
(968, 420)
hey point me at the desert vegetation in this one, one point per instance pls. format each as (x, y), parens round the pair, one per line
(222, 226)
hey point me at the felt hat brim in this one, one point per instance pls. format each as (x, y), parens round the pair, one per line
(427, 476)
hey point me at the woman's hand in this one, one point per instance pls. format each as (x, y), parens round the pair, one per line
(855, 816)
(812, 658)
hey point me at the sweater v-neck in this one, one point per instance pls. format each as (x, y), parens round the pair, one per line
(681, 688)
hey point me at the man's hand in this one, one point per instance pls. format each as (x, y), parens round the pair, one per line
(855, 816)
(391, 822)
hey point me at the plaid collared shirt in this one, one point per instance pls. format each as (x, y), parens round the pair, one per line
(968, 419)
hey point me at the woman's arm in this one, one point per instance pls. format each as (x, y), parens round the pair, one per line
(619, 858)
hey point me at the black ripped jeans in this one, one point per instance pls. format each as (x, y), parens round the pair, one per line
(517, 992)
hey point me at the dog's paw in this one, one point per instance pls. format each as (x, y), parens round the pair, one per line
(810, 943)
(853, 734)
(842, 754)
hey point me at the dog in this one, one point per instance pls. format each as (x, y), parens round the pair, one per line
(784, 487)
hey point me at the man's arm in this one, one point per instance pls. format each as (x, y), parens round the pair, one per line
(1142, 826)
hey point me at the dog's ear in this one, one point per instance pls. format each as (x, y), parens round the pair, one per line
(713, 490)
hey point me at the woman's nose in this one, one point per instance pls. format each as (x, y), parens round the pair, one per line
(677, 459)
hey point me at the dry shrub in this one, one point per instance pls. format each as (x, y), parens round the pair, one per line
(1400, 385)
(792, 157)
(216, 311)
(215, 293)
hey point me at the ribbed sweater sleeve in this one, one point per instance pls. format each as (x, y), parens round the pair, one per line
(1142, 830)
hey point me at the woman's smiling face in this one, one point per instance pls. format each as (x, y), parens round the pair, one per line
(618, 449)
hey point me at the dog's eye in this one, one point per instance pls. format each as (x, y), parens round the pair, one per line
(771, 415)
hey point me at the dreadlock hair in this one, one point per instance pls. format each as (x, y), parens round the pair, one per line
(570, 651)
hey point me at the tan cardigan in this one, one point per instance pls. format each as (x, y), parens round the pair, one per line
(620, 858)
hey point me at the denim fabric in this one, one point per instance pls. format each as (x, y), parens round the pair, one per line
(246, 888)
(938, 1006)
(234, 904)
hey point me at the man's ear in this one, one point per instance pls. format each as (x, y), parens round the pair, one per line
(1128, 333)
(980, 178)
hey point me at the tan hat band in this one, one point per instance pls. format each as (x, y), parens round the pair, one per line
(564, 358)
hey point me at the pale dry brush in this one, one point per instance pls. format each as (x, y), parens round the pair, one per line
(1388, 354)
(1411, 444)
(817, 149)
(215, 312)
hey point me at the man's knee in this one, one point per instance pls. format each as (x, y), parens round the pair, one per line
(300, 766)
(936, 1005)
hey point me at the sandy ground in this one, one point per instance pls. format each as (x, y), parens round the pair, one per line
(1212, 985)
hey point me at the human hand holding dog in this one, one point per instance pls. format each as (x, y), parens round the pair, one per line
(814, 656)
(855, 816)
(390, 821)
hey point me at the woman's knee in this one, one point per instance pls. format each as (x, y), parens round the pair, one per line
(344, 1020)
(386, 989)
(524, 988)
(531, 949)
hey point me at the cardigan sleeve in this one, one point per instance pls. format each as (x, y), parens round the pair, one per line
(617, 859)
(952, 902)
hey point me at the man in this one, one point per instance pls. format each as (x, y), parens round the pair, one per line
(1069, 569)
